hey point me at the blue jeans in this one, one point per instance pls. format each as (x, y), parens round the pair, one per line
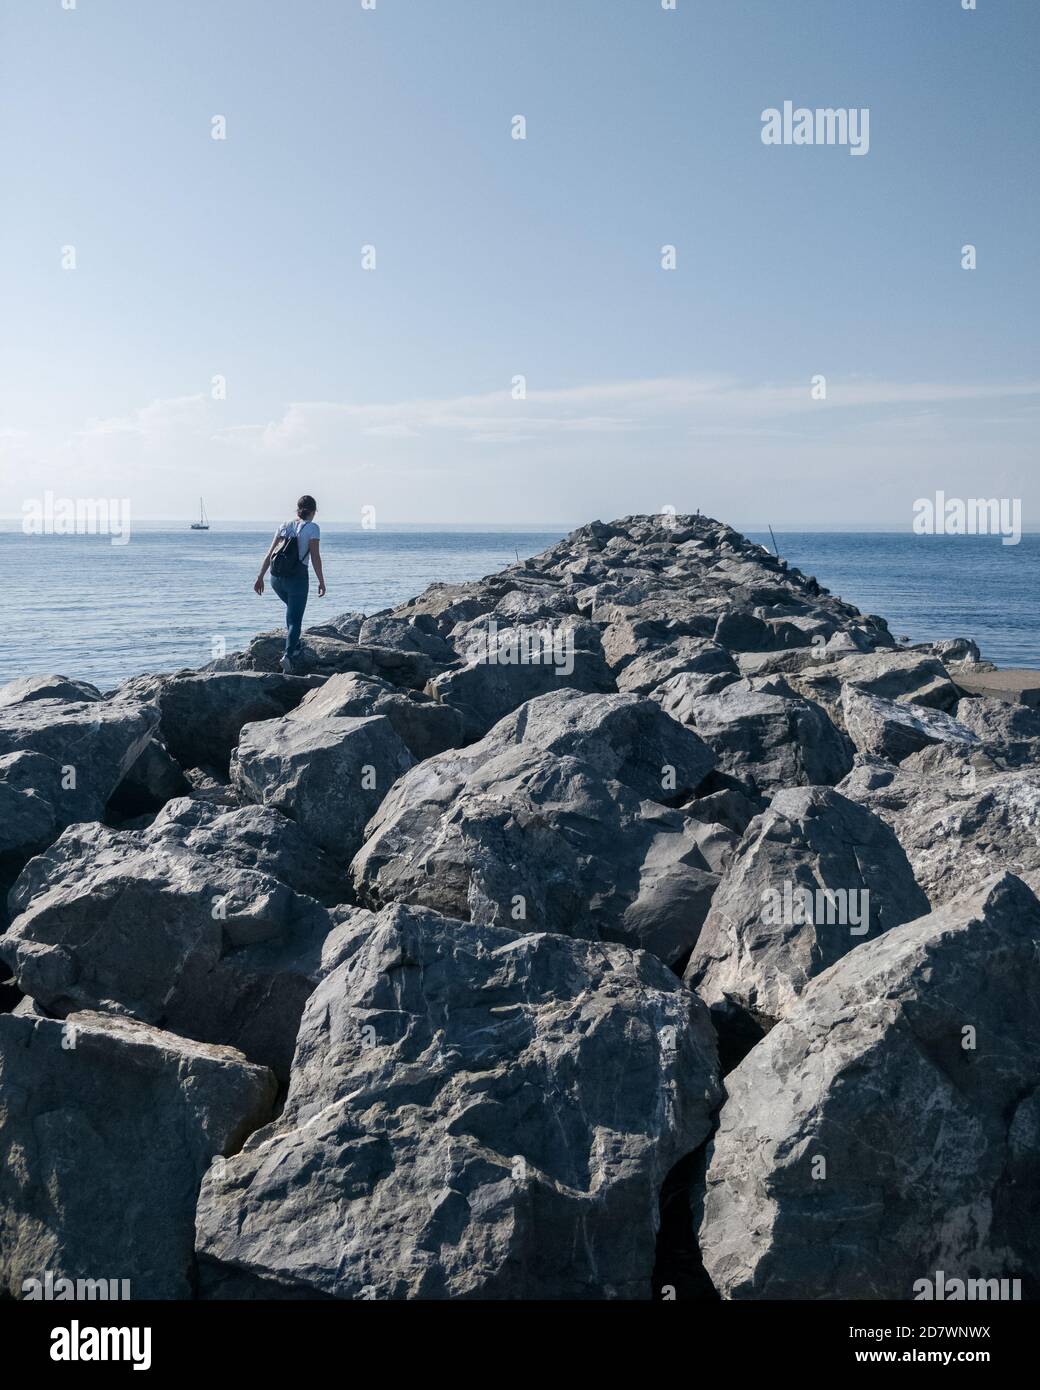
(293, 593)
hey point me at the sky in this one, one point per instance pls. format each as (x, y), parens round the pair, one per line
(218, 332)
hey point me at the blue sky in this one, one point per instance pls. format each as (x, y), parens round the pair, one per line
(496, 257)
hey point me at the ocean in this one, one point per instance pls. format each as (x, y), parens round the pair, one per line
(174, 598)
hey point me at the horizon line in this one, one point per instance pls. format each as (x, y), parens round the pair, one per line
(838, 525)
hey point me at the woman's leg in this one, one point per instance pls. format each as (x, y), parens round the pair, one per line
(295, 604)
(282, 590)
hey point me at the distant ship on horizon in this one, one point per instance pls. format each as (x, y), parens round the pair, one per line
(203, 522)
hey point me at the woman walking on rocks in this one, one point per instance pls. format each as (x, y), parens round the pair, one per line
(295, 546)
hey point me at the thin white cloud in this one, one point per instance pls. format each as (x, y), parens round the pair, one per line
(602, 447)
(702, 404)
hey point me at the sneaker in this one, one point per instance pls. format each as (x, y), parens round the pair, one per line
(287, 667)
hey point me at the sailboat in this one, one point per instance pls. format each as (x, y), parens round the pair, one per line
(203, 522)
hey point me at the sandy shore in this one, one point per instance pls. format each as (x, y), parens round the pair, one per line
(1016, 685)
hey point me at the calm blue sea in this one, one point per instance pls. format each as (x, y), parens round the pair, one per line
(171, 598)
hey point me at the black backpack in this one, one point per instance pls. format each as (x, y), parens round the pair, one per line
(286, 563)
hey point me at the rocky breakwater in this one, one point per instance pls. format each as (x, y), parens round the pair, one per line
(640, 920)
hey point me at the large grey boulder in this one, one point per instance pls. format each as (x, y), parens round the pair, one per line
(741, 631)
(94, 742)
(506, 666)
(906, 677)
(21, 692)
(958, 823)
(448, 604)
(412, 634)
(531, 605)
(889, 1127)
(892, 730)
(629, 636)
(203, 713)
(1009, 733)
(252, 837)
(425, 727)
(35, 806)
(325, 653)
(813, 876)
(172, 926)
(106, 1129)
(458, 1124)
(958, 651)
(329, 775)
(707, 666)
(556, 821)
(762, 733)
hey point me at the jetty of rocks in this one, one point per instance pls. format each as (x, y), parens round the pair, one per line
(642, 921)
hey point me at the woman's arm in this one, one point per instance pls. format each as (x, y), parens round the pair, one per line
(259, 585)
(315, 555)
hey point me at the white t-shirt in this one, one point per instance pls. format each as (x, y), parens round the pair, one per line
(305, 531)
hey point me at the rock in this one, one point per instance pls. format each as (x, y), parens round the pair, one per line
(160, 926)
(414, 634)
(851, 640)
(203, 714)
(96, 741)
(1009, 733)
(679, 873)
(739, 631)
(328, 775)
(555, 820)
(209, 785)
(61, 759)
(424, 726)
(890, 730)
(958, 824)
(485, 1104)
(106, 1129)
(154, 779)
(327, 655)
(767, 738)
(448, 604)
(629, 636)
(532, 605)
(786, 662)
(726, 805)
(709, 666)
(253, 837)
(21, 692)
(457, 1125)
(799, 630)
(953, 649)
(35, 807)
(350, 932)
(347, 625)
(916, 1084)
(516, 665)
(813, 876)
(906, 677)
